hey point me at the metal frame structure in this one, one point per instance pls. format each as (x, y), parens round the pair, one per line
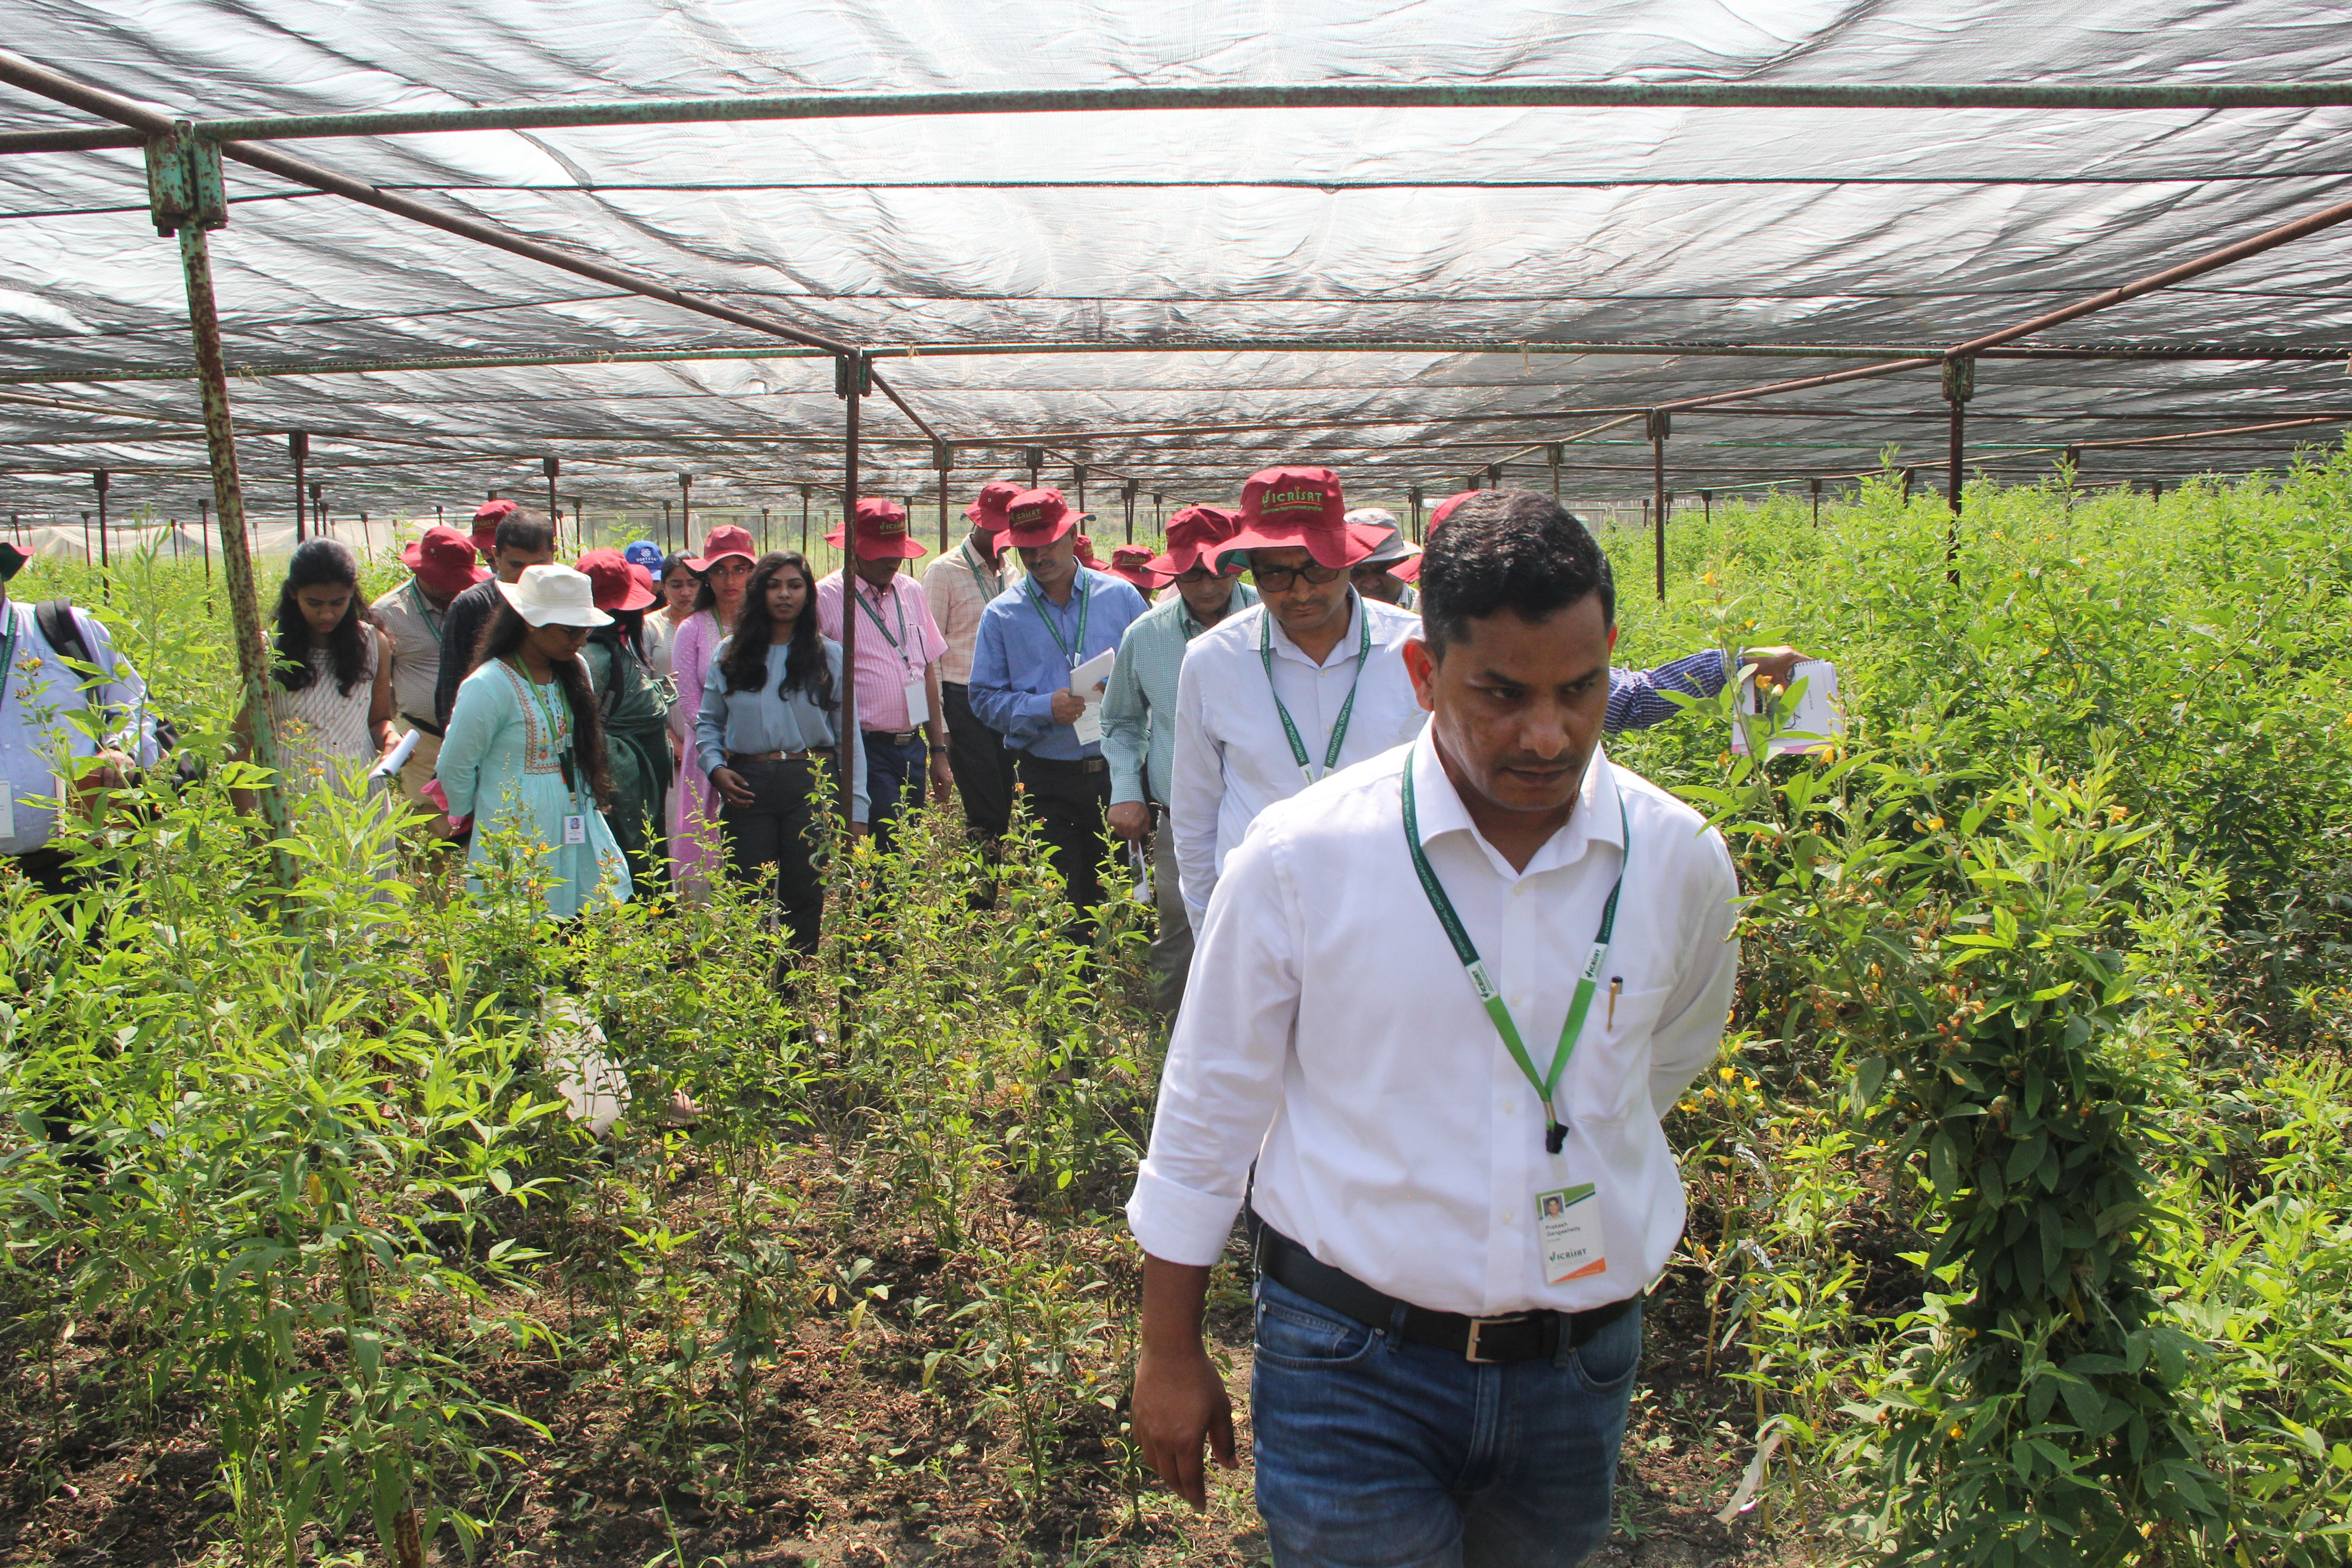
(188, 198)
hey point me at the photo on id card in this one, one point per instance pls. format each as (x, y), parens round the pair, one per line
(1567, 1228)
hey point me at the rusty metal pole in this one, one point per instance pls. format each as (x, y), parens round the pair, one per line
(1816, 485)
(942, 459)
(666, 529)
(1126, 493)
(299, 446)
(184, 194)
(1959, 385)
(1035, 458)
(552, 466)
(102, 481)
(205, 537)
(1412, 495)
(89, 552)
(804, 520)
(1661, 425)
(1707, 507)
(1556, 451)
(685, 511)
(578, 528)
(318, 508)
(850, 382)
(766, 530)
(1078, 471)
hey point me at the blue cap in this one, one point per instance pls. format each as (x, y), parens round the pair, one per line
(646, 554)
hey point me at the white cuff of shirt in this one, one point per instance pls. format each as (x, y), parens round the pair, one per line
(1176, 1224)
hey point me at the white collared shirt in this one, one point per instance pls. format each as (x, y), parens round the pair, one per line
(1343, 1049)
(1232, 760)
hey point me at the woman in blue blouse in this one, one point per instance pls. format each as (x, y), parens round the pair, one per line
(771, 711)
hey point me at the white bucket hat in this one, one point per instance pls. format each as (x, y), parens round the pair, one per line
(555, 595)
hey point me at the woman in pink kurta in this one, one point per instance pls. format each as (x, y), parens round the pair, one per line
(695, 848)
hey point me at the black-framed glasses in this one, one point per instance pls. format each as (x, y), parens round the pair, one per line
(1205, 573)
(1278, 579)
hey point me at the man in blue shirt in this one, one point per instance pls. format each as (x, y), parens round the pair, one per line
(1031, 637)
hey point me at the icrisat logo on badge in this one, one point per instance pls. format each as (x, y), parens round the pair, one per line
(1567, 1223)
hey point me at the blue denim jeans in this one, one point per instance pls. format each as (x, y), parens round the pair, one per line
(895, 778)
(1376, 1453)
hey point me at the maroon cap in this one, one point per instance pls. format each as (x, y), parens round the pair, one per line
(720, 543)
(443, 560)
(1086, 552)
(1037, 516)
(1284, 508)
(995, 500)
(1132, 562)
(486, 525)
(616, 582)
(881, 532)
(1410, 571)
(1196, 537)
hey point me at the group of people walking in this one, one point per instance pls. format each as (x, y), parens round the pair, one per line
(1388, 852)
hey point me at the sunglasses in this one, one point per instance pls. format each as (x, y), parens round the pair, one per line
(1278, 579)
(1205, 574)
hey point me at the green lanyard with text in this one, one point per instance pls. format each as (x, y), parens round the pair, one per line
(981, 582)
(897, 644)
(1075, 655)
(1545, 1084)
(1347, 708)
(7, 649)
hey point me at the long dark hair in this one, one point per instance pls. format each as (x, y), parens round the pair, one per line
(321, 562)
(806, 668)
(502, 638)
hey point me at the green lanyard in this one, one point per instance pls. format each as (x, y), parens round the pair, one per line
(981, 582)
(1545, 1084)
(7, 649)
(896, 646)
(547, 712)
(1347, 708)
(1074, 654)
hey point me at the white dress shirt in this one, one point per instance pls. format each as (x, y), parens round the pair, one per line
(1343, 1049)
(1232, 760)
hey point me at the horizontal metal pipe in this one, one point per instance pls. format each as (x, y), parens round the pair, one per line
(67, 141)
(2322, 353)
(1363, 95)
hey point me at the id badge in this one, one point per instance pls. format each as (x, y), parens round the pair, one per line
(7, 809)
(1568, 1224)
(918, 705)
(575, 830)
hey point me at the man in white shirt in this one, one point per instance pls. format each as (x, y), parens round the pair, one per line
(1457, 1217)
(1308, 681)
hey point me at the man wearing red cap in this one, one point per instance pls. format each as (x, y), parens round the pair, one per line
(1132, 564)
(1139, 717)
(487, 517)
(440, 567)
(1032, 640)
(960, 585)
(519, 538)
(1307, 683)
(898, 673)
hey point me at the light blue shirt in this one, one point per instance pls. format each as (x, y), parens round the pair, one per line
(1017, 666)
(766, 718)
(1139, 711)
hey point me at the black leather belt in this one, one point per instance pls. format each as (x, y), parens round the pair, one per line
(425, 724)
(1523, 1336)
(1056, 766)
(893, 737)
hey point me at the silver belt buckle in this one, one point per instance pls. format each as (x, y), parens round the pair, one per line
(1478, 1326)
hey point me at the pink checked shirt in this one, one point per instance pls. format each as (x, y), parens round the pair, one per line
(884, 672)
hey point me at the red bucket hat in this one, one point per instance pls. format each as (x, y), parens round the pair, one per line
(1035, 518)
(486, 525)
(988, 512)
(1132, 562)
(721, 543)
(1284, 508)
(881, 532)
(443, 560)
(1196, 537)
(1087, 556)
(616, 582)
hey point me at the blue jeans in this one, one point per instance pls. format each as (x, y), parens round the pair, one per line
(1376, 1453)
(896, 778)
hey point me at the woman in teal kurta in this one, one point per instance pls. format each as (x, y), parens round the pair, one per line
(524, 748)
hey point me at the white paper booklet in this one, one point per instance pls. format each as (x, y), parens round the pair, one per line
(1816, 719)
(1086, 680)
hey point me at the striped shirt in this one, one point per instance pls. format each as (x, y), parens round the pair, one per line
(1637, 698)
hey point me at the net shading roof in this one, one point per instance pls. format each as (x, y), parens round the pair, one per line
(1145, 257)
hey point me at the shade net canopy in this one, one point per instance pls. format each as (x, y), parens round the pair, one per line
(1140, 262)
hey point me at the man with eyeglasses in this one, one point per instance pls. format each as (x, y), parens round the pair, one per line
(1310, 680)
(1139, 716)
